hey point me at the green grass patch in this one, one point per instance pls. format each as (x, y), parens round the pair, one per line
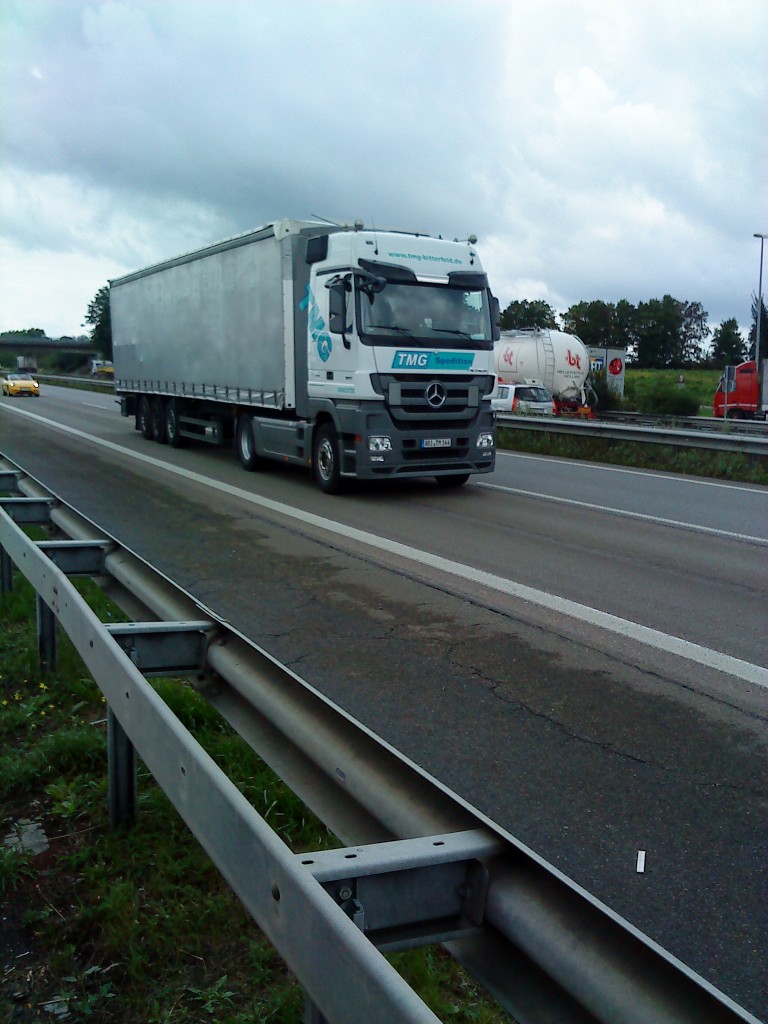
(660, 391)
(732, 466)
(137, 924)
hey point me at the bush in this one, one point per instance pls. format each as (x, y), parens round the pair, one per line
(607, 399)
(667, 399)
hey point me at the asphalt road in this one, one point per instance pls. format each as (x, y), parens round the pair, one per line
(579, 651)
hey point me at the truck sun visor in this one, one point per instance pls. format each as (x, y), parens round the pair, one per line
(388, 271)
(467, 279)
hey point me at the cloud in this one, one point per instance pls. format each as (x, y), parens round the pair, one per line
(597, 149)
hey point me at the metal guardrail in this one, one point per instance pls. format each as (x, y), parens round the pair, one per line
(709, 424)
(424, 866)
(726, 439)
(52, 378)
(749, 438)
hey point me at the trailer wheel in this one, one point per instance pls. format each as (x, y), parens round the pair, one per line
(145, 419)
(245, 446)
(172, 426)
(157, 418)
(326, 460)
(454, 480)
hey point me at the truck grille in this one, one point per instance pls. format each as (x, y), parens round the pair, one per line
(444, 400)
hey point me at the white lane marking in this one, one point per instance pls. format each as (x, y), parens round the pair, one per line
(744, 670)
(600, 467)
(625, 512)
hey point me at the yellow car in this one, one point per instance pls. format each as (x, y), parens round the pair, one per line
(20, 384)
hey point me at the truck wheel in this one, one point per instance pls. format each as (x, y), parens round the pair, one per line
(454, 480)
(145, 419)
(172, 426)
(245, 446)
(157, 418)
(326, 460)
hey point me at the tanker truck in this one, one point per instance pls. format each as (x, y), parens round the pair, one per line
(362, 354)
(558, 361)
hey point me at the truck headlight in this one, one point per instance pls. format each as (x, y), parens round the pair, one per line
(485, 440)
(379, 444)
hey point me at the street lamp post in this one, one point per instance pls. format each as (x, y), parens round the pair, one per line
(759, 304)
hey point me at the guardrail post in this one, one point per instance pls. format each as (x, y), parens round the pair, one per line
(46, 635)
(311, 1013)
(121, 756)
(6, 572)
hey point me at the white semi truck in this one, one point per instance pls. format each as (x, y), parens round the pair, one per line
(555, 359)
(363, 354)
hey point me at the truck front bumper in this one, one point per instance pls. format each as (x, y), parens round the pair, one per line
(383, 450)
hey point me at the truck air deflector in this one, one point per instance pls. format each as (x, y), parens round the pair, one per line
(389, 271)
(467, 279)
(317, 249)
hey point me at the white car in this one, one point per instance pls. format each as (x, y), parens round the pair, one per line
(523, 400)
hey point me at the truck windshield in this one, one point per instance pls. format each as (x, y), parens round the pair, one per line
(429, 315)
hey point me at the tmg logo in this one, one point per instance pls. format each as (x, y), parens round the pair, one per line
(316, 325)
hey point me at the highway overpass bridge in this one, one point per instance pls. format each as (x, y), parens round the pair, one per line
(40, 345)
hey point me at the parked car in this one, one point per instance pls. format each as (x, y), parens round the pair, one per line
(20, 384)
(523, 400)
(102, 369)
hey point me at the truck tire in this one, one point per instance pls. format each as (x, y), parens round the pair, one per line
(245, 446)
(454, 480)
(172, 425)
(145, 419)
(157, 418)
(326, 460)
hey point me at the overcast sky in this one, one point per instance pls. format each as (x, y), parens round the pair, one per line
(599, 149)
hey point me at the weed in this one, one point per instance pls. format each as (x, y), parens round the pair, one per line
(14, 867)
(137, 924)
(215, 998)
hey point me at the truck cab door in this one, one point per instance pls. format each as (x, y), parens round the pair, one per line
(332, 342)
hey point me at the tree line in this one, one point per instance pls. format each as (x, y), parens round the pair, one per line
(659, 333)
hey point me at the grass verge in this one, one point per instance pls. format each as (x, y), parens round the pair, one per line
(136, 924)
(698, 385)
(732, 466)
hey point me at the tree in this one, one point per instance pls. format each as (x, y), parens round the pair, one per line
(99, 316)
(626, 324)
(659, 324)
(728, 348)
(693, 331)
(522, 315)
(594, 322)
(603, 324)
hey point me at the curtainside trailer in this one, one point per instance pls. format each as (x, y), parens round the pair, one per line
(363, 354)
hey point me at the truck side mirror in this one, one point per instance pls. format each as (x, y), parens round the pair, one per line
(495, 318)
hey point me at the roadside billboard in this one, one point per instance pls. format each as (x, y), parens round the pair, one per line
(611, 361)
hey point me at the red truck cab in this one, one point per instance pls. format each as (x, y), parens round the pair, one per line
(738, 394)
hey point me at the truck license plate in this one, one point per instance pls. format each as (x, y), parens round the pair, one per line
(436, 442)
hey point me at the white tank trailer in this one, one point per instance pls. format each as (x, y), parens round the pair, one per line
(555, 359)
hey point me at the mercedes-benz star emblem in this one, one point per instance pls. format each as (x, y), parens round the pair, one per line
(435, 394)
